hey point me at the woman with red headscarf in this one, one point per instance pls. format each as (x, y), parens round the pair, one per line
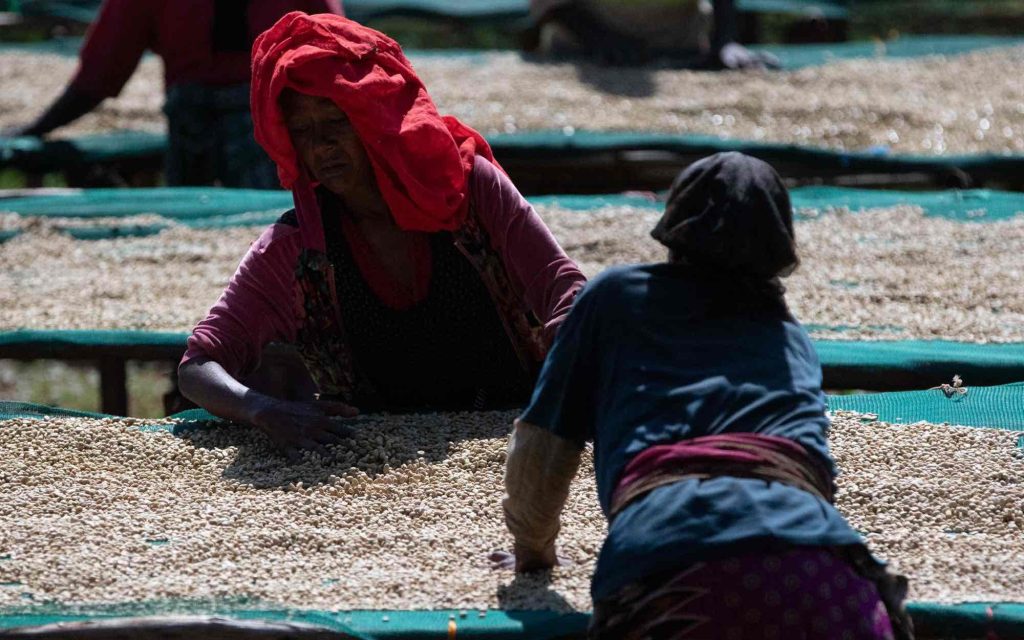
(411, 273)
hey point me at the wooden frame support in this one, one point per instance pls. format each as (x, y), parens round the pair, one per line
(284, 375)
(114, 385)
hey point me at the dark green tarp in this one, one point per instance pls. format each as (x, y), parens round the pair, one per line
(34, 155)
(977, 621)
(491, 10)
(1001, 406)
(889, 364)
(792, 56)
(216, 207)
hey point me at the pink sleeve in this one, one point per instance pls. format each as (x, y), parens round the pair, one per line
(550, 279)
(258, 306)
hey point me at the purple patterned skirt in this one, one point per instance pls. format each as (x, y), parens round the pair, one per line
(801, 593)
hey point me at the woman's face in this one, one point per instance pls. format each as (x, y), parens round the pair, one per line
(326, 142)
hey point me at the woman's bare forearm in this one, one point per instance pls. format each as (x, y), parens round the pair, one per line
(71, 105)
(206, 383)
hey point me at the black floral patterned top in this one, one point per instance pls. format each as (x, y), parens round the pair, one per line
(450, 350)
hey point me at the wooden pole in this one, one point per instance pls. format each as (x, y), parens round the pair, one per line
(114, 386)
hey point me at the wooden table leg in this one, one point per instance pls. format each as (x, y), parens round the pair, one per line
(114, 386)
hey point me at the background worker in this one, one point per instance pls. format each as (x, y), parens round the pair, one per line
(205, 47)
(631, 32)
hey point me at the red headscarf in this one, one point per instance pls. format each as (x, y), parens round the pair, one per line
(421, 160)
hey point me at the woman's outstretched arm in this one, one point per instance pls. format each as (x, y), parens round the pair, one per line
(258, 306)
(538, 472)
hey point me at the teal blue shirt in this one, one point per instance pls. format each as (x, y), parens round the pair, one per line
(644, 359)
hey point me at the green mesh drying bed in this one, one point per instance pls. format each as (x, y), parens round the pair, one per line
(792, 56)
(999, 407)
(848, 364)
(210, 207)
(31, 154)
(499, 9)
(34, 154)
(968, 621)
(492, 10)
(790, 159)
(879, 365)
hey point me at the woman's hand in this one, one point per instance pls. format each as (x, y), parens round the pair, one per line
(291, 426)
(297, 426)
(524, 561)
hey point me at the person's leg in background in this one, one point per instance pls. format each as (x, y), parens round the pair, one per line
(241, 162)
(190, 158)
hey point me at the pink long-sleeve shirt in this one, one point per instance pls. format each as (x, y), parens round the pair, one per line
(261, 303)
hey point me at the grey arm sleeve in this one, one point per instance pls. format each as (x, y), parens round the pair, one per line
(538, 473)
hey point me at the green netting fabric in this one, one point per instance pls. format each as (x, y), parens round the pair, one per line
(977, 205)
(31, 154)
(981, 620)
(210, 208)
(85, 10)
(492, 9)
(10, 410)
(380, 624)
(33, 616)
(58, 340)
(936, 360)
(76, 10)
(181, 204)
(794, 56)
(1001, 406)
(994, 407)
(990, 621)
(464, 9)
(64, 46)
(34, 154)
(812, 55)
(834, 9)
(530, 143)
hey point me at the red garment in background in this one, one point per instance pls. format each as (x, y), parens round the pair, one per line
(180, 32)
(421, 160)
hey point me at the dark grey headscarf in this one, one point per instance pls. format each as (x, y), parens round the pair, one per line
(729, 216)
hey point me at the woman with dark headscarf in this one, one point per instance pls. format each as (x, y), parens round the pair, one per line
(410, 275)
(702, 395)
